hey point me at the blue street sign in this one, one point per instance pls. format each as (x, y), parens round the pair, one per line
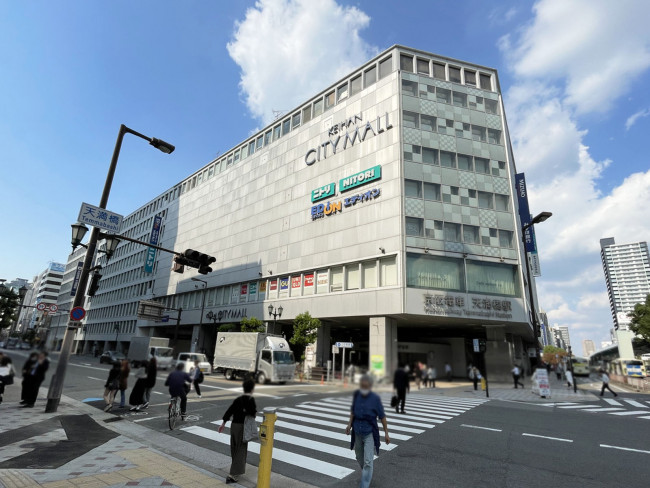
(165, 318)
(150, 258)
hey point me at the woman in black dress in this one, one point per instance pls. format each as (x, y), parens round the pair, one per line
(240, 408)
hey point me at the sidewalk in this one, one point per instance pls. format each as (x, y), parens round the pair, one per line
(80, 446)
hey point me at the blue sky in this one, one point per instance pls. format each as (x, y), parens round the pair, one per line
(72, 75)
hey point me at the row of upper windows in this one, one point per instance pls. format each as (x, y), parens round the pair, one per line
(124, 292)
(124, 309)
(446, 159)
(414, 120)
(450, 97)
(445, 71)
(475, 198)
(451, 232)
(125, 327)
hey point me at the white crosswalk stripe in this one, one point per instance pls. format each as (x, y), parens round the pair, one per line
(609, 406)
(634, 403)
(612, 402)
(311, 436)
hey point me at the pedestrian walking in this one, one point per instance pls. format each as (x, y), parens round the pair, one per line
(448, 371)
(196, 375)
(27, 367)
(366, 409)
(569, 378)
(425, 375)
(152, 373)
(112, 386)
(125, 370)
(516, 374)
(240, 408)
(605, 378)
(136, 399)
(401, 386)
(475, 376)
(417, 371)
(432, 374)
(35, 376)
(558, 372)
(6, 374)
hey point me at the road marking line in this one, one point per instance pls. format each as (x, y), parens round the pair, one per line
(601, 409)
(91, 378)
(299, 395)
(612, 402)
(646, 417)
(546, 437)
(576, 406)
(625, 448)
(393, 419)
(479, 427)
(634, 403)
(630, 412)
(304, 462)
(158, 393)
(151, 418)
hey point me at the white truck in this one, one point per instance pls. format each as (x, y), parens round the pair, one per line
(144, 348)
(265, 356)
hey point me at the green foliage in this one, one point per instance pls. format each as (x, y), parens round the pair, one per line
(228, 328)
(9, 307)
(29, 336)
(305, 332)
(553, 350)
(252, 324)
(553, 355)
(640, 319)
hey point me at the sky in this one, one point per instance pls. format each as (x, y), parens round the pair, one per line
(204, 75)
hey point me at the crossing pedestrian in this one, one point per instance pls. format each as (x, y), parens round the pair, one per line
(475, 376)
(516, 374)
(432, 375)
(366, 409)
(6, 374)
(125, 370)
(27, 367)
(136, 399)
(448, 371)
(569, 378)
(558, 372)
(241, 407)
(196, 375)
(152, 373)
(35, 377)
(605, 378)
(401, 386)
(112, 386)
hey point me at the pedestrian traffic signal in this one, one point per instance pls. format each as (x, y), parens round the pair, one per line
(94, 284)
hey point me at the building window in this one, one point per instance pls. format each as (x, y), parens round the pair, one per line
(277, 132)
(470, 234)
(336, 279)
(406, 63)
(485, 200)
(352, 277)
(369, 269)
(286, 127)
(465, 162)
(329, 100)
(423, 67)
(434, 272)
(502, 202)
(432, 191)
(470, 77)
(322, 282)
(306, 114)
(414, 226)
(482, 165)
(413, 188)
(492, 278)
(318, 107)
(491, 106)
(486, 82)
(342, 92)
(355, 85)
(505, 239)
(478, 133)
(447, 159)
(439, 71)
(370, 77)
(410, 88)
(443, 95)
(267, 138)
(385, 67)
(460, 99)
(295, 120)
(429, 156)
(388, 271)
(251, 147)
(452, 232)
(454, 74)
(428, 122)
(494, 136)
(259, 144)
(410, 119)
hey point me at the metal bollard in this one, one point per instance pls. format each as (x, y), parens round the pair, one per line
(267, 429)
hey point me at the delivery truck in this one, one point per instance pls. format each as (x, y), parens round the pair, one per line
(266, 357)
(144, 348)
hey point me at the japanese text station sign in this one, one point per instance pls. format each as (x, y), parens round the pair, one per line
(100, 217)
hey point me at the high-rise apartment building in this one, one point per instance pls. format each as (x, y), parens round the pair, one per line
(588, 347)
(384, 205)
(627, 275)
(45, 291)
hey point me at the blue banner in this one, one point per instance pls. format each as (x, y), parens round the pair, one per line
(524, 212)
(150, 259)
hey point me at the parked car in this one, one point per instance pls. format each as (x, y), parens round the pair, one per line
(26, 346)
(110, 357)
(12, 343)
(188, 358)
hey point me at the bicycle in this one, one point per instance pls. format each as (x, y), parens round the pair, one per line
(174, 411)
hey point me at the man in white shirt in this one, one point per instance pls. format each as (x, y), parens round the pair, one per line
(605, 377)
(516, 374)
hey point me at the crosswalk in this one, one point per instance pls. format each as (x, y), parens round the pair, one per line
(311, 436)
(622, 407)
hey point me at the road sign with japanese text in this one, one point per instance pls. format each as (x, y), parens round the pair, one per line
(150, 256)
(100, 217)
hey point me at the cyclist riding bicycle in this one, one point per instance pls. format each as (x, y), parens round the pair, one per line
(178, 385)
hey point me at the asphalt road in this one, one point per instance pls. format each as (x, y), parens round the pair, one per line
(441, 442)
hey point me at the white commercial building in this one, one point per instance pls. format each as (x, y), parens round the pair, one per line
(45, 293)
(385, 205)
(627, 274)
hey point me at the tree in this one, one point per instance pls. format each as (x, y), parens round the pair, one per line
(640, 320)
(305, 332)
(553, 354)
(252, 324)
(227, 328)
(9, 307)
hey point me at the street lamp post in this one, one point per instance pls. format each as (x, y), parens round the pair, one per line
(56, 385)
(573, 376)
(536, 220)
(275, 313)
(205, 286)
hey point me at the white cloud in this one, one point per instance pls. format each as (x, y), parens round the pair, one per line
(290, 49)
(596, 48)
(632, 119)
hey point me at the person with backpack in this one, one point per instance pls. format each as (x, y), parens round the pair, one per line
(112, 386)
(242, 410)
(196, 375)
(366, 409)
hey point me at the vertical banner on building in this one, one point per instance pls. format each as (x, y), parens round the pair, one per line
(309, 284)
(77, 277)
(296, 284)
(262, 290)
(150, 257)
(525, 217)
(323, 282)
(252, 291)
(234, 294)
(284, 286)
(273, 288)
(243, 294)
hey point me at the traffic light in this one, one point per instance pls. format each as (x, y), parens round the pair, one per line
(94, 284)
(194, 259)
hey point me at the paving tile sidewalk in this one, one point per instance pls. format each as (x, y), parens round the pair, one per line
(134, 456)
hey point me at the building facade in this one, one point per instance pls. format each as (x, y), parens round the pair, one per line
(383, 206)
(627, 275)
(45, 292)
(588, 347)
